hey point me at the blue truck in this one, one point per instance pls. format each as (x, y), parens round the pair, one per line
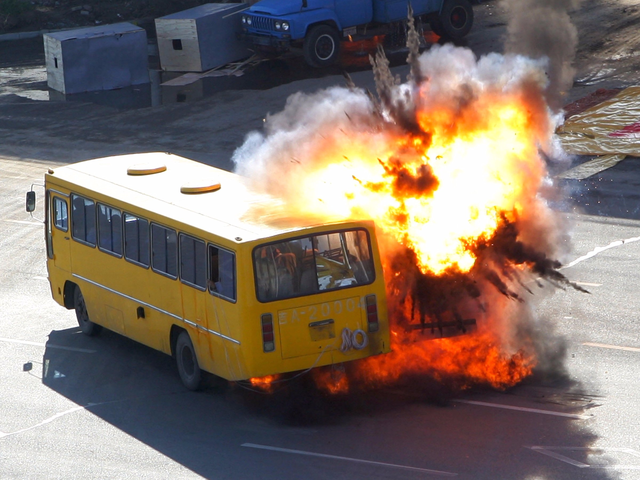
(318, 26)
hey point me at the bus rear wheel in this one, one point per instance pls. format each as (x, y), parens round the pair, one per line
(86, 326)
(187, 362)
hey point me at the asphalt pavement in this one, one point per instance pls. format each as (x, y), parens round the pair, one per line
(79, 407)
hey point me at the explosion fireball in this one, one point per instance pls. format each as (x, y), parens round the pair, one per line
(451, 167)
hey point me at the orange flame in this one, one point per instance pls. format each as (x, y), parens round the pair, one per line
(331, 380)
(487, 167)
(265, 384)
(452, 178)
(356, 52)
(439, 195)
(471, 359)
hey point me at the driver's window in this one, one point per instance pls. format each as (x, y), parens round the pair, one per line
(60, 214)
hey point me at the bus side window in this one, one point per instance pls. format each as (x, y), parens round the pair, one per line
(60, 214)
(136, 239)
(110, 229)
(192, 261)
(222, 272)
(164, 250)
(83, 220)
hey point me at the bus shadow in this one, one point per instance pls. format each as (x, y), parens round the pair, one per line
(110, 369)
(102, 369)
(138, 391)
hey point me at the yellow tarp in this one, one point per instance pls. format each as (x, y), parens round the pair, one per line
(611, 127)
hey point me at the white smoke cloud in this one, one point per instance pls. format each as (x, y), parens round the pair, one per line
(311, 130)
(300, 137)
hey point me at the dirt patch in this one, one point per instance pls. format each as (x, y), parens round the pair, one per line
(36, 15)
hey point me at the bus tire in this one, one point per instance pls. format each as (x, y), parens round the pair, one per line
(187, 362)
(86, 326)
(456, 19)
(321, 46)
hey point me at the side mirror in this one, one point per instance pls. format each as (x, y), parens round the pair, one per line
(31, 201)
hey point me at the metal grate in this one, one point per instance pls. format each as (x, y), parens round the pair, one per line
(262, 23)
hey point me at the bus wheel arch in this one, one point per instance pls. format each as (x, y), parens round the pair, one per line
(173, 338)
(68, 291)
(186, 360)
(86, 325)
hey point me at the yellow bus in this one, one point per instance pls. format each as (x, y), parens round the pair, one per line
(190, 260)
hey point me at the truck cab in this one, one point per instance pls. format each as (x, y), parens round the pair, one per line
(318, 26)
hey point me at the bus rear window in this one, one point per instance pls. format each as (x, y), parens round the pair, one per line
(313, 264)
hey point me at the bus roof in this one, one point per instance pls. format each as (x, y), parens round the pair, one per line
(190, 192)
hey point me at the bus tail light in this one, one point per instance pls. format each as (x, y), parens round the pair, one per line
(372, 313)
(268, 340)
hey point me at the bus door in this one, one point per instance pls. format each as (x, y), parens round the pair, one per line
(58, 234)
(193, 275)
(194, 311)
(223, 308)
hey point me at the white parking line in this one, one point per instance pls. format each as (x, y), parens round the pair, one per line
(47, 345)
(598, 250)
(525, 409)
(587, 284)
(613, 347)
(58, 415)
(549, 452)
(336, 457)
(44, 422)
(24, 222)
(553, 453)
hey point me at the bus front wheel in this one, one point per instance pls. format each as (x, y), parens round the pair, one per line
(188, 367)
(86, 326)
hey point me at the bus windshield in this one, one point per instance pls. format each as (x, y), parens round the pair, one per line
(312, 264)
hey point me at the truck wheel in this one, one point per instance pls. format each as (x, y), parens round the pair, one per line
(188, 367)
(321, 46)
(86, 326)
(455, 20)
